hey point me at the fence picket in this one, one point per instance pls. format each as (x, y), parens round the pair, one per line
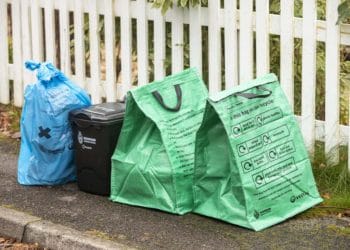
(26, 42)
(50, 32)
(309, 74)
(111, 87)
(177, 42)
(262, 38)
(142, 43)
(64, 38)
(231, 67)
(126, 48)
(94, 53)
(36, 31)
(287, 49)
(214, 52)
(246, 41)
(79, 44)
(4, 80)
(17, 53)
(159, 45)
(332, 138)
(195, 38)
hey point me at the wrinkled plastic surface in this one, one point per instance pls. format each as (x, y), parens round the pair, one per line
(46, 155)
(251, 166)
(152, 165)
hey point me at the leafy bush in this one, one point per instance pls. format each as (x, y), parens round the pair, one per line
(344, 12)
(164, 5)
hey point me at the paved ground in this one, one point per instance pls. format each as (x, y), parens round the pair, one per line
(151, 229)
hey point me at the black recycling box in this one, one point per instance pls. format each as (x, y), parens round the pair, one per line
(95, 134)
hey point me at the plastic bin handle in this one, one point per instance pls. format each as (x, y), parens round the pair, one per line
(159, 98)
(81, 124)
(252, 95)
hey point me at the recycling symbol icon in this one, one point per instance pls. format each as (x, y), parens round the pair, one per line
(247, 165)
(266, 139)
(242, 149)
(272, 154)
(236, 130)
(259, 120)
(259, 179)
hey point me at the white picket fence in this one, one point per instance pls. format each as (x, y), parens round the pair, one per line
(30, 39)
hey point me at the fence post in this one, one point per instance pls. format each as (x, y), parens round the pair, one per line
(26, 42)
(332, 138)
(4, 80)
(177, 41)
(309, 74)
(287, 49)
(142, 43)
(79, 44)
(262, 37)
(196, 38)
(36, 31)
(159, 45)
(111, 87)
(94, 53)
(17, 53)
(126, 46)
(50, 32)
(231, 51)
(64, 38)
(245, 40)
(214, 53)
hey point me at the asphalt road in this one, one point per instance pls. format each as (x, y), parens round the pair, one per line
(151, 229)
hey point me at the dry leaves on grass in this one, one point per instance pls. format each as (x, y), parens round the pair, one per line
(11, 244)
(9, 122)
(346, 213)
(326, 196)
(5, 122)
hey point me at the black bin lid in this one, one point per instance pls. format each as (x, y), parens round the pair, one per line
(109, 111)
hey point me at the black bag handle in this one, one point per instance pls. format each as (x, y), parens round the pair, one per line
(159, 98)
(252, 96)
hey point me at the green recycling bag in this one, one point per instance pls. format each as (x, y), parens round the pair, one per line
(152, 165)
(251, 165)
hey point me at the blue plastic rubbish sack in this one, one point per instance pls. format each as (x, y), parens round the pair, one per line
(46, 155)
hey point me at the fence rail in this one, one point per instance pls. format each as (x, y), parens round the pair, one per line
(30, 28)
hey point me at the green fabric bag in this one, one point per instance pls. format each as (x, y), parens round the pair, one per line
(153, 163)
(251, 165)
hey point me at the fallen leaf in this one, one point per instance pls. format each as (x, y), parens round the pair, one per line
(347, 213)
(322, 165)
(10, 243)
(326, 196)
(16, 135)
(4, 121)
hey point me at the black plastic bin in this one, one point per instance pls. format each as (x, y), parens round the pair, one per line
(95, 133)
